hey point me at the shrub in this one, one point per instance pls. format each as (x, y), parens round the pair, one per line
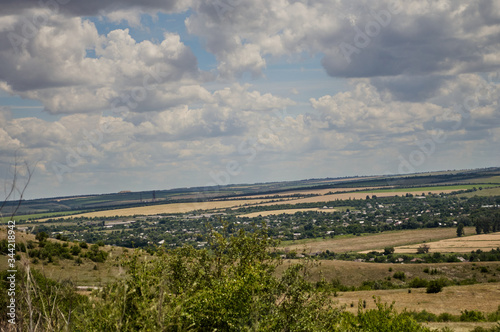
(423, 249)
(424, 316)
(388, 250)
(471, 316)
(446, 317)
(399, 275)
(418, 283)
(435, 286)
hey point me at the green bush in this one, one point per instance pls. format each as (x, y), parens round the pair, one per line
(424, 316)
(471, 316)
(435, 286)
(399, 275)
(446, 317)
(418, 283)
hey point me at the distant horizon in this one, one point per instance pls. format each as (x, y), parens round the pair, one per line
(256, 183)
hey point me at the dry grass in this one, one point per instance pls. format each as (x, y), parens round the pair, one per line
(351, 273)
(370, 242)
(288, 211)
(460, 326)
(65, 269)
(453, 299)
(485, 242)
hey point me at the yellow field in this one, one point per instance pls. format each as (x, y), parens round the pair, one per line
(354, 195)
(369, 242)
(485, 242)
(453, 299)
(288, 211)
(314, 192)
(167, 208)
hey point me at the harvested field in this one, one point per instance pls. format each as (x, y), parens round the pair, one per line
(289, 211)
(485, 242)
(167, 208)
(313, 192)
(453, 299)
(354, 195)
(369, 242)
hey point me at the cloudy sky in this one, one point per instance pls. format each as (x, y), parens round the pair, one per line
(100, 96)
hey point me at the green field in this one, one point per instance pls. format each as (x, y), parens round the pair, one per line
(40, 215)
(485, 192)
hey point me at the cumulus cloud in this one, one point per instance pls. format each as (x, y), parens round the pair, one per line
(53, 67)
(96, 7)
(357, 38)
(125, 105)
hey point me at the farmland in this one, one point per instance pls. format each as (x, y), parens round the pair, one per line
(370, 242)
(168, 208)
(483, 242)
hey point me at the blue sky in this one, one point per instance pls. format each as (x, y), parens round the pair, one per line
(102, 96)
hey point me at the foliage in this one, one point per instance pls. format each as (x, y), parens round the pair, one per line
(384, 319)
(423, 249)
(42, 304)
(435, 286)
(471, 316)
(399, 275)
(418, 283)
(228, 287)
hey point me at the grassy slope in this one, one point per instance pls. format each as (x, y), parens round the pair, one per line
(453, 299)
(64, 269)
(354, 273)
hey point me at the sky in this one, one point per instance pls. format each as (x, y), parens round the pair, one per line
(100, 96)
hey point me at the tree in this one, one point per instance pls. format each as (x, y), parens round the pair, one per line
(460, 230)
(42, 236)
(388, 250)
(435, 286)
(423, 249)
